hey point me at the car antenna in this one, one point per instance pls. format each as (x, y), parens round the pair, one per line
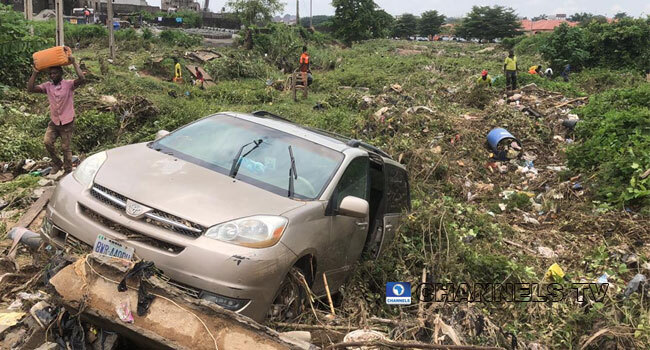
(292, 172)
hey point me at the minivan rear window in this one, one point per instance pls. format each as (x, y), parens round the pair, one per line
(214, 142)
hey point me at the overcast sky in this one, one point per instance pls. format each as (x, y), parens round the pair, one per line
(457, 8)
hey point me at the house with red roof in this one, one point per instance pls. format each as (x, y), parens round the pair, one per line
(544, 25)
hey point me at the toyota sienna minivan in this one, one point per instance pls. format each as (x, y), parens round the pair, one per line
(230, 206)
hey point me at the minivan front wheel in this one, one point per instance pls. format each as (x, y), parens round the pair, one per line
(289, 302)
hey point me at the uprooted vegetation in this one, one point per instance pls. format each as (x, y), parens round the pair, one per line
(474, 220)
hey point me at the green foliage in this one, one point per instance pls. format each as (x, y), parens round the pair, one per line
(529, 44)
(567, 45)
(405, 26)
(94, 130)
(382, 25)
(16, 47)
(354, 20)
(179, 38)
(621, 44)
(84, 35)
(282, 45)
(615, 135)
(238, 65)
(585, 18)
(147, 34)
(489, 23)
(17, 143)
(126, 34)
(430, 23)
(252, 12)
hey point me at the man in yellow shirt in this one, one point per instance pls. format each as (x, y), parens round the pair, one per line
(510, 70)
(485, 79)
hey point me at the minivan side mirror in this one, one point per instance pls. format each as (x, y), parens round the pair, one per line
(161, 133)
(354, 207)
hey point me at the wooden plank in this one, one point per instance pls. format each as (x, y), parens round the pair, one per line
(35, 209)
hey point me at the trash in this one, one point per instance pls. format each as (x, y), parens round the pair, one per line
(379, 115)
(515, 97)
(634, 284)
(363, 335)
(49, 346)
(554, 271)
(630, 259)
(16, 305)
(503, 144)
(436, 150)
(29, 164)
(396, 87)
(546, 252)
(132, 68)
(557, 168)
(646, 266)
(412, 110)
(124, 311)
(602, 279)
(529, 220)
(108, 99)
(45, 182)
(142, 270)
(366, 102)
(576, 186)
(10, 319)
(319, 107)
(570, 123)
(645, 174)
(43, 314)
(26, 237)
(503, 206)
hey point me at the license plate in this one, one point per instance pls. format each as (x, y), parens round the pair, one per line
(107, 246)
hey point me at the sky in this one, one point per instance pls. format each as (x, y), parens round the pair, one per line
(457, 8)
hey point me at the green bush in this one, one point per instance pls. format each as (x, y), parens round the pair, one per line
(530, 45)
(179, 38)
(238, 65)
(94, 130)
(126, 34)
(621, 44)
(16, 143)
(281, 47)
(16, 47)
(615, 144)
(567, 45)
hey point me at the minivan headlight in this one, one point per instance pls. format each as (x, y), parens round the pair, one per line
(86, 171)
(254, 232)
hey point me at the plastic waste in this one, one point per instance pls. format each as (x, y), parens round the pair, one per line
(602, 279)
(634, 284)
(554, 271)
(577, 186)
(503, 144)
(29, 238)
(124, 311)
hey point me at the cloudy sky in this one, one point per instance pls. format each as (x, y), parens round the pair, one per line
(529, 8)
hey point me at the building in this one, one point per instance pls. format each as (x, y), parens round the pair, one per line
(545, 25)
(166, 5)
(286, 19)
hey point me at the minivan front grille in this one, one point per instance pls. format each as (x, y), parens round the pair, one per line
(129, 233)
(155, 217)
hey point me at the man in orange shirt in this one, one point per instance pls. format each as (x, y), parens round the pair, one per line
(304, 65)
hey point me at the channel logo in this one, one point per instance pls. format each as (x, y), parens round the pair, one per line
(398, 293)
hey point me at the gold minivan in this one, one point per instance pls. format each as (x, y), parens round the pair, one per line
(231, 206)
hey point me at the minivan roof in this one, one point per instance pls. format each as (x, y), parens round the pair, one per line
(331, 140)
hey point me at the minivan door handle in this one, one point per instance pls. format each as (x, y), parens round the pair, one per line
(362, 224)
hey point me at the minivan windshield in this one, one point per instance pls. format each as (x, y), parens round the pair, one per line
(214, 142)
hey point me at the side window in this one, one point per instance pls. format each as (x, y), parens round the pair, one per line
(354, 181)
(397, 190)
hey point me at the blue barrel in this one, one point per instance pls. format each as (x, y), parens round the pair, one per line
(495, 136)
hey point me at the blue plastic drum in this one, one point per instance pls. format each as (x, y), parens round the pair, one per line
(495, 137)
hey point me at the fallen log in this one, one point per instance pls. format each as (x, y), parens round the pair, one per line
(173, 321)
(408, 345)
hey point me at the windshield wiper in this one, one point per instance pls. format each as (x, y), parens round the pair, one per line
(292, 172)
(236, 163)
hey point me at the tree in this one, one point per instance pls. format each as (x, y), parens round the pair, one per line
(255, 11)
(585, 18)
(405, 26)
(567, 45)
(489, 23)
(430, 23)
(383, 24)
(539, 18)
(354, 19)
(621, 15)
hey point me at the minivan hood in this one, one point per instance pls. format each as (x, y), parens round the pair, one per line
(184, 189)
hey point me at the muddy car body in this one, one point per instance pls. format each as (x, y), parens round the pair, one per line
(228, 205)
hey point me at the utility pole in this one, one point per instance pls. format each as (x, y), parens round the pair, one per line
(29, 10)
(311, 25)
(297, 13)
(58, 8)
(109, 23)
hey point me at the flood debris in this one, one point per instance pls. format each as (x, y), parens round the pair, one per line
(504, 146)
